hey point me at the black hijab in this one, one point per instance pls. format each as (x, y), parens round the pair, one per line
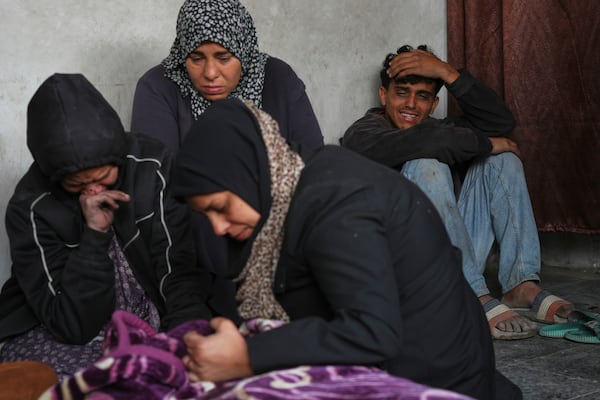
(237, 147)
(224, 150)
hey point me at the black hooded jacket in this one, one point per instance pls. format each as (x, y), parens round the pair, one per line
(61, 274)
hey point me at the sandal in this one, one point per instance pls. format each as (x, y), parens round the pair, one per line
(583, 330)
(589, 332)
(560, 330)
(545, 306)
(495, 311)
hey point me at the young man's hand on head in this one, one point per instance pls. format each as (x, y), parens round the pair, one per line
(423, 63)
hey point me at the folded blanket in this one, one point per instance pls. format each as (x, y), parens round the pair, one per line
(139, 363)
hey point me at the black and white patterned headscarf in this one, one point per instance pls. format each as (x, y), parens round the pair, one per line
(228, 23)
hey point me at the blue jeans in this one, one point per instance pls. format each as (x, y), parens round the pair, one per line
(493, 204)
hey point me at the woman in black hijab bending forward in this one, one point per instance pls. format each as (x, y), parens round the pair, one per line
(353, 255)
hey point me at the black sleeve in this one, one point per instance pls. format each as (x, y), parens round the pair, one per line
(184, 282)
(69, 288)
(366, 327)
(451, 140)
(483, 109)
(285, 99)
(154, 111)
(374, 137)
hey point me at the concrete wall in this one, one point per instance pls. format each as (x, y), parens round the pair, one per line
(335, 46)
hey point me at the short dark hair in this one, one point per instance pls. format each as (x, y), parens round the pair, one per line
(412, 79)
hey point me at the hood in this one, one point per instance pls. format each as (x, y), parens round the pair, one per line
(71, 127)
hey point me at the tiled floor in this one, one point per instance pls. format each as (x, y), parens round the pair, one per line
(548, 369)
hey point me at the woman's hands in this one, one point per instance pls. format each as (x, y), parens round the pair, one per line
(98, 209)
(217, 357)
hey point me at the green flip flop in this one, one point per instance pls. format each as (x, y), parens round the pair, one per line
(582, 330)
(583, 336)
(560, 330)
(588, 333)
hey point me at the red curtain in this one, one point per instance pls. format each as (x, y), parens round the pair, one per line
(543, 57)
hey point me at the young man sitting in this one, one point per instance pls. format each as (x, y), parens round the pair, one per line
(472, 173)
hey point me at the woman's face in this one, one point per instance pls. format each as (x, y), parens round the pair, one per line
(213, 70)
(227, 212)
(91, 181)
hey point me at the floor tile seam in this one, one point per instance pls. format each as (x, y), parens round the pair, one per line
(540, 371)
(542, 356)
(584, 395)
(513, 365)
(581, 379)
(574, 380)
(524, 360)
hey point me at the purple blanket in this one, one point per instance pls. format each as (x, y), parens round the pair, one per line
(139, 363)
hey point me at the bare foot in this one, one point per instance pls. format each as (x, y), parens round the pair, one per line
(506, 321)
(566, 311)
(524, 294)
(516, 323)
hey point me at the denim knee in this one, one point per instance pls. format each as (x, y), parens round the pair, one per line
(430, 173)
(507, 163)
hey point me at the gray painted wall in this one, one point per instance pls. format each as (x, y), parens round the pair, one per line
(335, 46)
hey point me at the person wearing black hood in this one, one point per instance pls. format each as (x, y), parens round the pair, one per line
(92, 229)
(349, 252)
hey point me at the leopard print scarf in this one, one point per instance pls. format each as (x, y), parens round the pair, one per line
(255, 293)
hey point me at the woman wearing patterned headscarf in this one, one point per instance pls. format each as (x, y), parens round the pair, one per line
(352, 254)
(215, 55)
